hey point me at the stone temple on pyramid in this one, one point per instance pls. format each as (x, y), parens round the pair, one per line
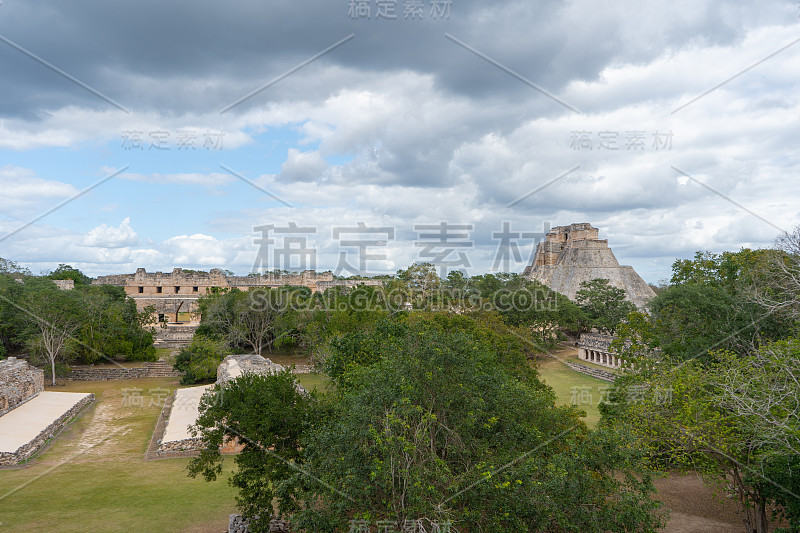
(573, 254)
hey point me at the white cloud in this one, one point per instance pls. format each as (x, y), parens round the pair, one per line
(303, 166)
(25, 193)
(104, 236)
(199, 249)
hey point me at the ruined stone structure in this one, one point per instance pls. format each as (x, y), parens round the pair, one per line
(596, 348)
(174, 336)
(182, 410)
(29, 415)
(19, 382)
(29, 449)
(239, 524)
(178, 292)
(573, 254)
(234, 366)
(65, 284)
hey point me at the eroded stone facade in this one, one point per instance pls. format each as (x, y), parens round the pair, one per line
(179, 291)
(19, 382)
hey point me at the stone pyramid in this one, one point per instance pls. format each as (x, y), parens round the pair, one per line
(573, 254)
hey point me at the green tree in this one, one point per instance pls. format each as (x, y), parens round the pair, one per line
(13, 269)
(111, 327)
(269, 416)
(199, 360)
(55, 316)
(434, 427)
(420, 285)
(605, 306)
(257, 319)
(69, 272)
(732, 419)
(711, 306)
(14, 324)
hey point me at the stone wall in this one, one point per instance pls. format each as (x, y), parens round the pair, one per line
(589, 371)
(28, 450)
(156, 369)
(19, 382)
(239, 524)
(186, 445)
(234, 366)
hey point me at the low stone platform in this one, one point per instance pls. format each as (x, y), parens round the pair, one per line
(183, 413)
(24, 430)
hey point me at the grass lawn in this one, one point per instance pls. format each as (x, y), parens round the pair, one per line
(164, 353)
(313, 381)
(572, 387)
(94, 476)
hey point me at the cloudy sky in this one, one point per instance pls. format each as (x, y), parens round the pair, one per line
(162, 134)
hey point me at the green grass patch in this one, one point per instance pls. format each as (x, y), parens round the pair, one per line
(123, 495)
(573, 388)
(94, 476)
(314, 381)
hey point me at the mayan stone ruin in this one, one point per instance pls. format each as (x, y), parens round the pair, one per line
(573, 254)
(178, 291)
(29, 415)
(19, 382)
(234, 366)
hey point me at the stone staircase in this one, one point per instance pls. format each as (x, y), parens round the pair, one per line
(155, 369)
(174, 336)
(162, 369)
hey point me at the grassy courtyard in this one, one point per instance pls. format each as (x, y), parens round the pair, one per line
(94, 476)
(572, 387)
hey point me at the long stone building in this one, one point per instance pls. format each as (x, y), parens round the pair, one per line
(573, 254)
(177, 292)
(596, 348)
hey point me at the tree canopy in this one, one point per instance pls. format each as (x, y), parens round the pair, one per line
(434, 425)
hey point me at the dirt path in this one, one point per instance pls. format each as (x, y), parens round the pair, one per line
(694, 508)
